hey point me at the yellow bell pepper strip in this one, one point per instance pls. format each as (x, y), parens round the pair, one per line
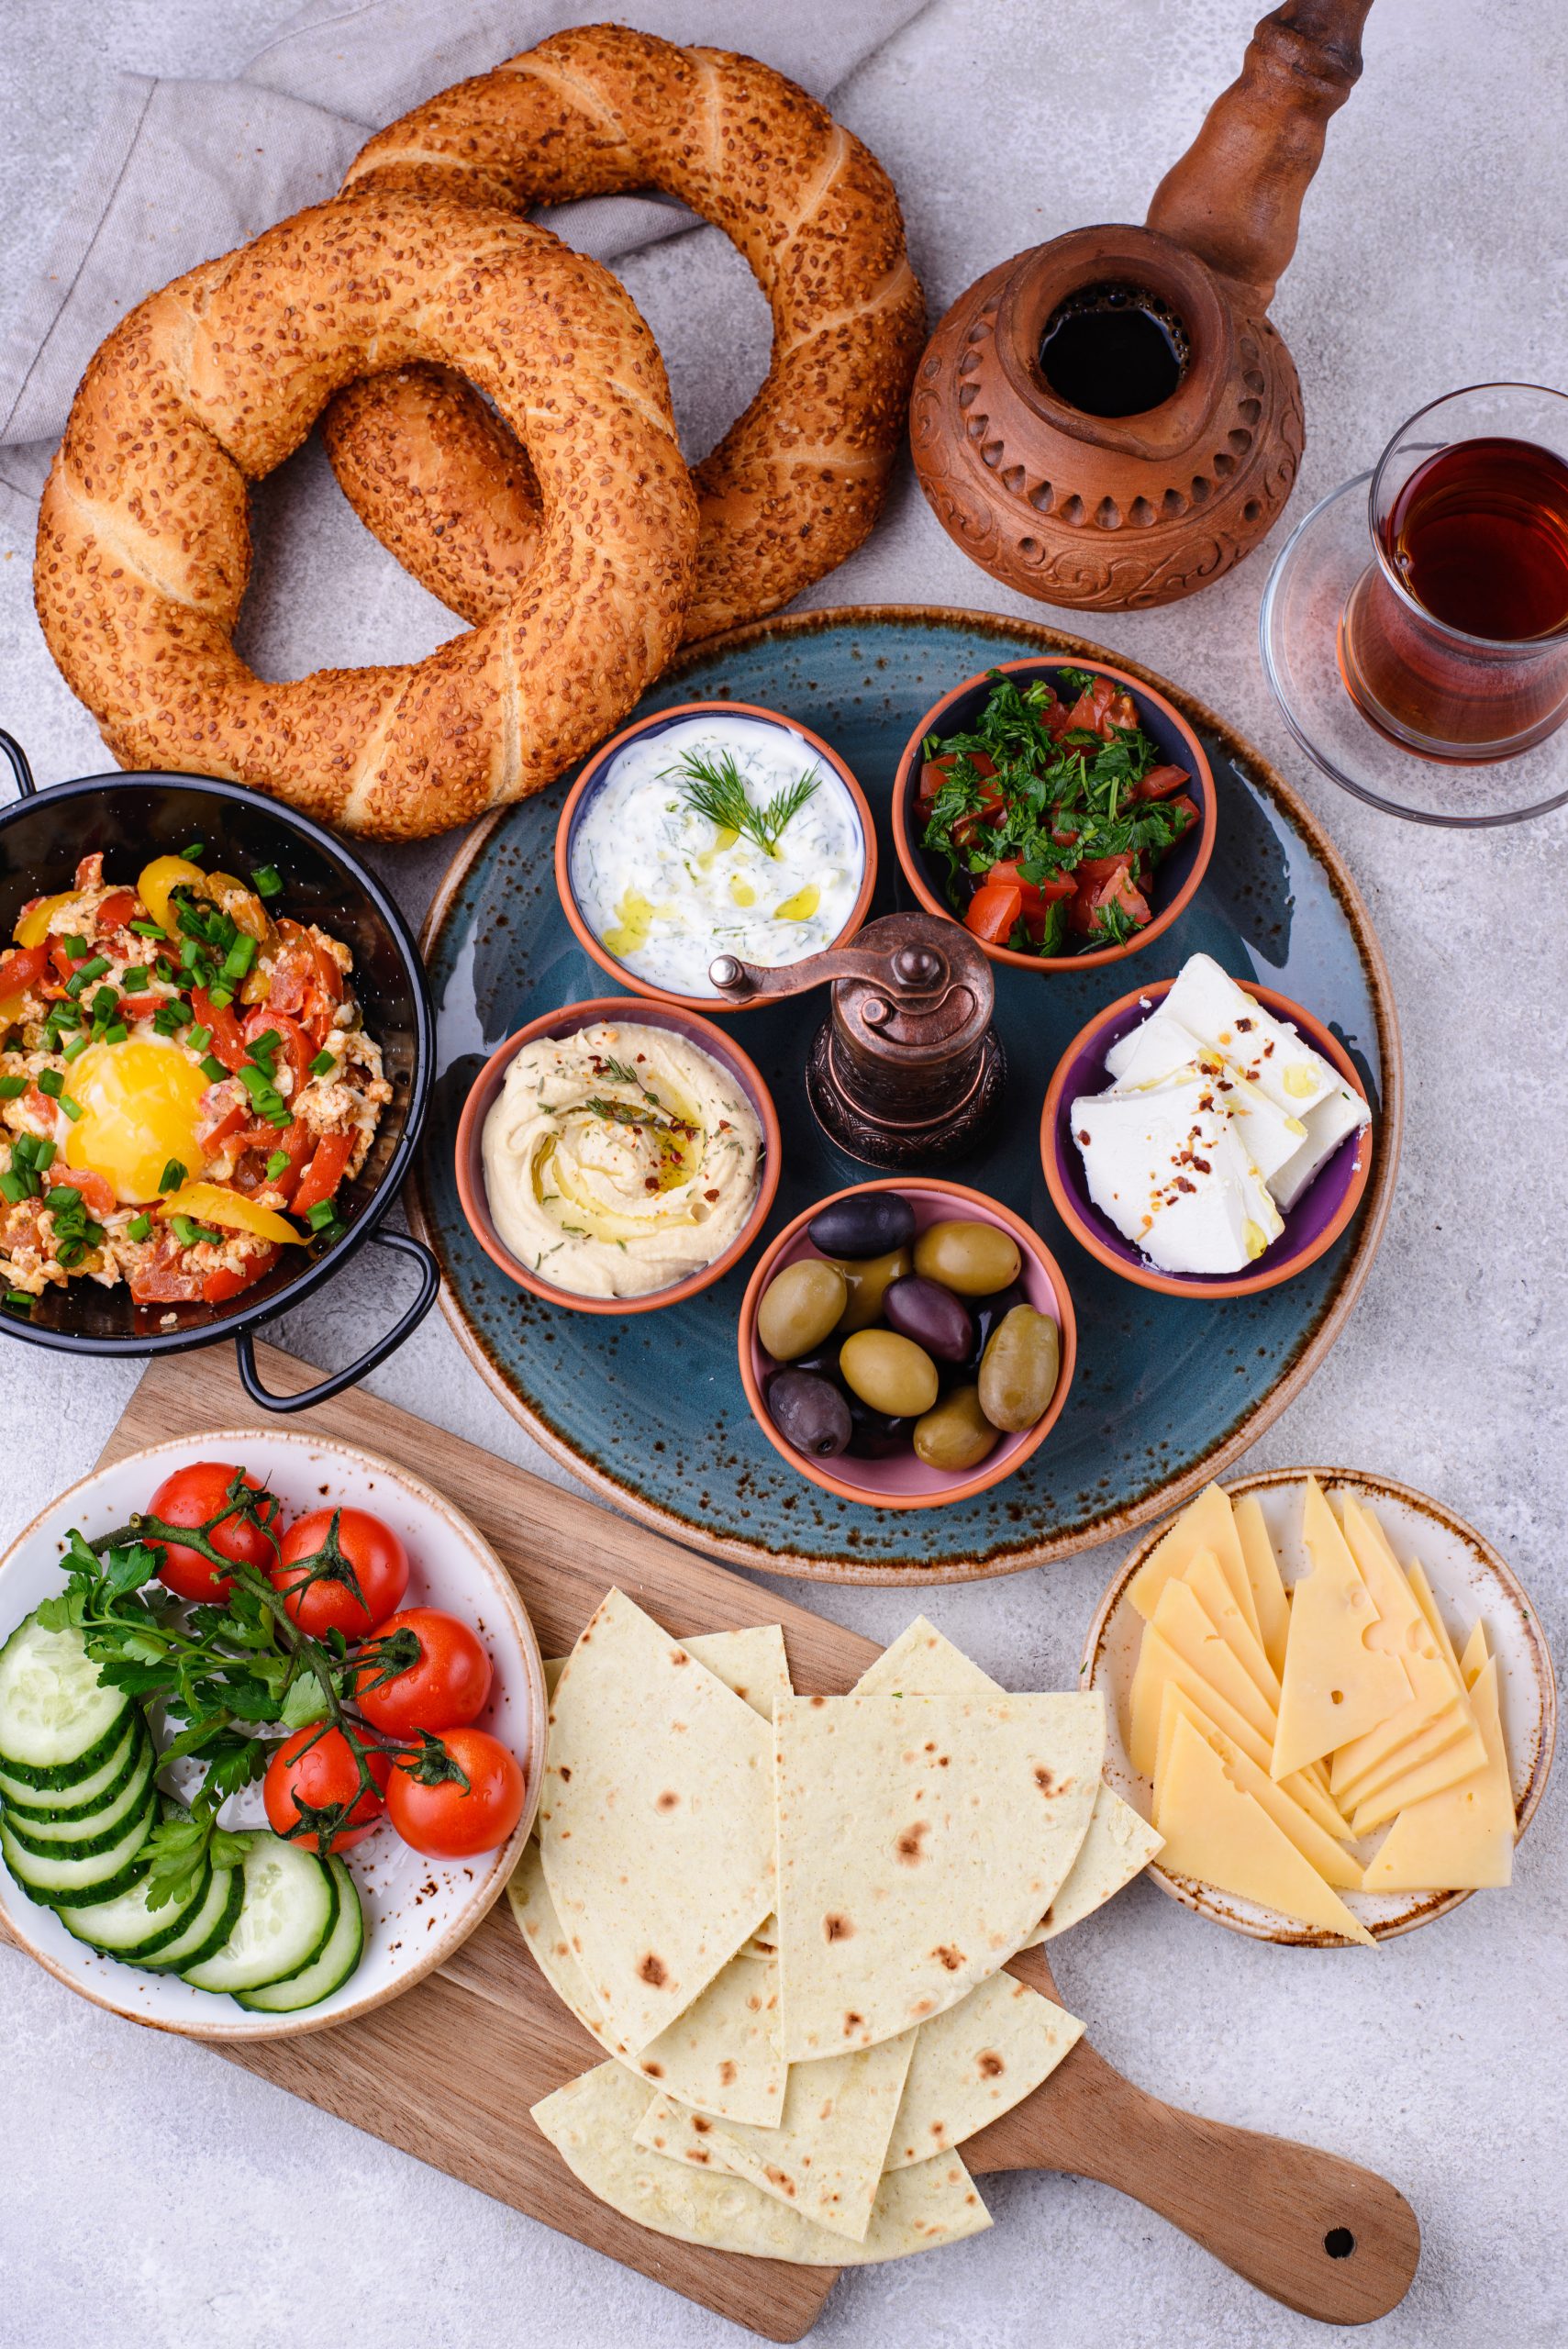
(33, 927)
(230, 1210)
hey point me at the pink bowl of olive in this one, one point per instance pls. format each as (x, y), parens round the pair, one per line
(904, 1345)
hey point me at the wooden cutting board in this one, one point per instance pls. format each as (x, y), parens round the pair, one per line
(1322, 2234)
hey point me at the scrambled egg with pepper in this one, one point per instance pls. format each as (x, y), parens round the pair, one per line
(184, 1085)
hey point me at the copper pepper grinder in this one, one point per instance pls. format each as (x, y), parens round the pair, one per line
(907, 1070)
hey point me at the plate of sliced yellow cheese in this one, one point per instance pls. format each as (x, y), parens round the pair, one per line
(1331, 1699)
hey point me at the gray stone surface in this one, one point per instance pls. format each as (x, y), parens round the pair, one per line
(153, 2195)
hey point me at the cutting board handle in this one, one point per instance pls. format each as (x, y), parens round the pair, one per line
(1324, 2235)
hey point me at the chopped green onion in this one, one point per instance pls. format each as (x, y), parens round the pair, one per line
(322, 1215)
(264, 1050)
(116, 1033)
(51, 1083)
(75, 946)
(88, 972)
(162, 969)
(188, 1233)
(170, 1017)
(323, 1062)
(256, 1081)
(12, 1087)
(77, 1046)
(135, 978)
(267, 881)
(174, 1174)
(194, 853)
(14, 1187)
(199, 1039)
(139, 1226)
(213, 1069)
(44, 1151)
(70, 1253)
(72, 1110)
(148, 930)
(19, 1300)
(220, 997)
(104, 1004)
(277, 1166)
(239, 957)
(95, 1233)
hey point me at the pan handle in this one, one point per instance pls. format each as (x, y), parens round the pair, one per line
(13, 751)
(324, 1390)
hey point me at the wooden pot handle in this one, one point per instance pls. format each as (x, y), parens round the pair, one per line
(1324, 2235)
(1234, 199)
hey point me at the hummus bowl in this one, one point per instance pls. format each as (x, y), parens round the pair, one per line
(557, 1027)
(900, 1480)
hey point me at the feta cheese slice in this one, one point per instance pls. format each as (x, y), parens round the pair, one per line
(1328, 1122)
(1169, 1171)
(1155, 1048)
(1208, 1002)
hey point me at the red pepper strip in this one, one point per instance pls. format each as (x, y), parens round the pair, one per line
(97, 1194)
(324, 1173)
(218, 1287)
(228, 1042)
(993, 910)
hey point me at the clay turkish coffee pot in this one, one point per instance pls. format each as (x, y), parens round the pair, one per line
(1114, 511)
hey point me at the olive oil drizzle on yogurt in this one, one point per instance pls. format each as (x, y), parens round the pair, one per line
(666, 886)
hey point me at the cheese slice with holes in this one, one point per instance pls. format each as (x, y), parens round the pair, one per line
(1462, 1839)
(1211, 1591)
(1436, 1688)
(1427, 1601)
(1215, 1831)
(1159, 1663)
(1335, 1686)
(1330, 1859)
(1271, 1606)
(1183, 1622)
(1205, 1524)
(1472, 1663)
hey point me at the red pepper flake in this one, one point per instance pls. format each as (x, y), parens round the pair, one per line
(711, 1195)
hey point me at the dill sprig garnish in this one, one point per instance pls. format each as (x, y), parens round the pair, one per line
(714, 787)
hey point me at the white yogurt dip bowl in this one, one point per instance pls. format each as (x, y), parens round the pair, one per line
(655, 885)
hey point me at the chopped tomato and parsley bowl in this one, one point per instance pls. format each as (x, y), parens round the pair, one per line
(207, 1647)
(1051, 815)
(185, 1083)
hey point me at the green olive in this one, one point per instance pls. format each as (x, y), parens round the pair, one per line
(800, 1306)
(868, 1281)
(973, 1259)
(1019, 1368)
(957, 1434)
(890, 1373)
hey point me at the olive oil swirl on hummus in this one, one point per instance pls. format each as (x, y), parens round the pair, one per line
(619, 1159)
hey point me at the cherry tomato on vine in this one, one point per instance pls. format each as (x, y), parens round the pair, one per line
(446, 1684)
(314, 1772)
(324, 1556)
(451, 1820)
(190, 1498)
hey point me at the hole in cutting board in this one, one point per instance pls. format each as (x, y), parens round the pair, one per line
(1339, 2242)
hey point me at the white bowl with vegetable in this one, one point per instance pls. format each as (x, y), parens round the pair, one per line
(264, 1936)
(713, 828)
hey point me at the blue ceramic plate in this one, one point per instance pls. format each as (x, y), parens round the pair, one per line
(649, 1411)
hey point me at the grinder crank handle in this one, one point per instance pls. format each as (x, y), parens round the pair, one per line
(1322, 2234)
(911, 971)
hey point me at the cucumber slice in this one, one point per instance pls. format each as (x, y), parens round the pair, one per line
(344, 1948)
(102, 1876)
(78, 1836)
(288, 1912)
(127, 1926)
(57, 1721)
(89, 1792)
(207, 1930)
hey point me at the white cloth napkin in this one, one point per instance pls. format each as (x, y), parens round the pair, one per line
(183, 171)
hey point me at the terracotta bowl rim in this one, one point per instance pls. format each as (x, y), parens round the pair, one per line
(566, 1019)
(1217, 1286)
(989, 1472)
(593, 774)
(909, 855)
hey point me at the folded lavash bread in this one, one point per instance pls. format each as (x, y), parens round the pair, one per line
(1118, 1842)
(723, 2056)
(920, 1840)
(829, 2151)
(592, 2122)
(752, 1662)
(655, 1821)
(974, 2063)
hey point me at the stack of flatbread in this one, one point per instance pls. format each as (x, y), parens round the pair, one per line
(785, 1920)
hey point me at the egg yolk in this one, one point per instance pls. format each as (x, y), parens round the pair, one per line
(140, 1102)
